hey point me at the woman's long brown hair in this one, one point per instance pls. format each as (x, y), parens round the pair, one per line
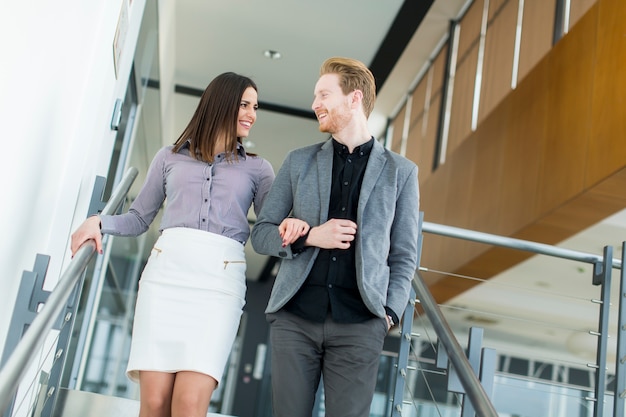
(215, 116)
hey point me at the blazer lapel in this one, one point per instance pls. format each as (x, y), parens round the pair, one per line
(324, 175)
(374, 167)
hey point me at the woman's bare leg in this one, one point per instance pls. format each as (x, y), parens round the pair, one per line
(155, 394)
(192, 394)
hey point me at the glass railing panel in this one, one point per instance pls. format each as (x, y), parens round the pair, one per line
(545, 333)
(32, 393)
(530, 398)
(109, 346)
(523, 387)
(531, 319)
(426, 393)
(30, 378)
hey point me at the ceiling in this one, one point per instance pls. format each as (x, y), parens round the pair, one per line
(396, 39)
(213, 37)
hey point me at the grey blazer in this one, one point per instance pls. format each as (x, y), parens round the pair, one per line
(387, 224)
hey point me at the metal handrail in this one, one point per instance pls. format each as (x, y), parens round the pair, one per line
(472, 385)
(470, 382)
(509, 242)
(27, 348)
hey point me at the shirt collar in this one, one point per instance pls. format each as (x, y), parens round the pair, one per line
(241, 151)
(361, 150)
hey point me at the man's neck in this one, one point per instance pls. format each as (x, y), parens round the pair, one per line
(352, 137)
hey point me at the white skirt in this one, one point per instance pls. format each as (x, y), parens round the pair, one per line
(189, 304)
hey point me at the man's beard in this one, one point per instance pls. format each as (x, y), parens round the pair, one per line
(335, 121)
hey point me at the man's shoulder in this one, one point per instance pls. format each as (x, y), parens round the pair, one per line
(398, 160)
(310, 148)
(306, 151)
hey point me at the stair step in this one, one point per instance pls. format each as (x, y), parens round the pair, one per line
(72, 403)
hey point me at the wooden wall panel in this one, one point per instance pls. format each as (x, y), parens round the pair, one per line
(570, 83)
(398, 126)
(433, 201)
(439, 72)
(607, 149)
(487, 179)
(414, 144)
(419, 149)
(578, 8)
(462, 166)
(537, 33)
(432, 128)
(433, 195)
(599, 202)
(462, 99)
(470, 27)
(495, 7)
(419, 98)
(465, 76)
(498, 59)
(563, 123)
(521, 158)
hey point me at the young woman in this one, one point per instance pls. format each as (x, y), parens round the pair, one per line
(192, 290)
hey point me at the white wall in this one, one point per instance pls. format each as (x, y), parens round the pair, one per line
(57, 91)
(167, 48)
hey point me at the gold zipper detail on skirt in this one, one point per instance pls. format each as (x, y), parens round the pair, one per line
(233, 262)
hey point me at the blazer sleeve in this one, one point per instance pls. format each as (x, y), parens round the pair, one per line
(404, 244)
(278, 204)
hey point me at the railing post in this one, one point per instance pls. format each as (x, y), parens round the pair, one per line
(602, 277)
(620, 357)
(29, 296)
(62, 297)
(60, 355)
(474, 355)
(406, 335)
(96, 205)
(482, 361)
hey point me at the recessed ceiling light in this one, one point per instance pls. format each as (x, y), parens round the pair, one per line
(271, 54)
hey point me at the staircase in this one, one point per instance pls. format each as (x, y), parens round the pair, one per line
(72, 403)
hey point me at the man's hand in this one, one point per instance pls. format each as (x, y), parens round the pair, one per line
(334, 234)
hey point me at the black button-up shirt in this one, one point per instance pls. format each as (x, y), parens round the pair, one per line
(331, 285)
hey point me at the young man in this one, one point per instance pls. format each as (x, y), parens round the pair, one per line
(343, 217)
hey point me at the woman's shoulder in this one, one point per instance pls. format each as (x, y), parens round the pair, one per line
(164, 151)
(165, 156)
(258, 162)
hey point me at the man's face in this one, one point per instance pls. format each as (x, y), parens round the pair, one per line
(330, 105)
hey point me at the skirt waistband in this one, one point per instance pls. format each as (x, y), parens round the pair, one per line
(201, 236)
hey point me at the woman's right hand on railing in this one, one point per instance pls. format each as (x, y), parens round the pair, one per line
(90, 229)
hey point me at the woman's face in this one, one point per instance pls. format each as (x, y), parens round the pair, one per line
(247, 112)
